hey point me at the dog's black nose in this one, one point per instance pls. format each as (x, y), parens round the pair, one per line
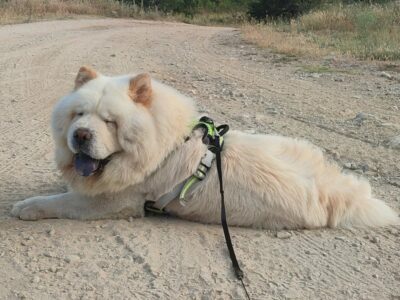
(82, 135)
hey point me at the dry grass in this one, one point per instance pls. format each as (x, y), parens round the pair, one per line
(286, 42)
(21, 11)
(360, 31)
(16, 11)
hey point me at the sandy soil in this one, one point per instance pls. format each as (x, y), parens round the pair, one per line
(352, 112)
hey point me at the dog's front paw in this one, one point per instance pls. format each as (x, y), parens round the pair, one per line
(30, 209)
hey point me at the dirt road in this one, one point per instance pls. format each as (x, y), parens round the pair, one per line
(351, 110)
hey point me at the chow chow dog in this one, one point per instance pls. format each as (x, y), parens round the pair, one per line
(123, 140)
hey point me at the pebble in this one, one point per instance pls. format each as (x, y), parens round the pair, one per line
(72, 258)
(375, 240)
(35, 279)
(113, 55)
(51, 232)
(283, 234)
(364, 167)
(340, 238)
(350, 166)
(360, 118)
(394, 142)
(386, 75)
(357, 268)
(48, 254)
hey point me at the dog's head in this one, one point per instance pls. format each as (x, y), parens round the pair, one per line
(111, 132)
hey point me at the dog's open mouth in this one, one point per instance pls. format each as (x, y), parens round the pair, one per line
(87, 166)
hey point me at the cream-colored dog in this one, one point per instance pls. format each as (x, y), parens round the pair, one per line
(121, 141)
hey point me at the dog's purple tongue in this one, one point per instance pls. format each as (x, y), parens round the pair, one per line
(85, 165)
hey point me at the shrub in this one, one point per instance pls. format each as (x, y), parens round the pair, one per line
(285, 9)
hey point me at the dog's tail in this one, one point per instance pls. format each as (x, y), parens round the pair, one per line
(370, 212)
(352, 205)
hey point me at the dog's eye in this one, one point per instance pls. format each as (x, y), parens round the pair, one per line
(80, 114)
(111, 123)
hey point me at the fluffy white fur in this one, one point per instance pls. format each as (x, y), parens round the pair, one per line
(270, 181)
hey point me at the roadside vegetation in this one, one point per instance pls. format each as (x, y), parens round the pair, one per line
(360, 30)
(367, 30)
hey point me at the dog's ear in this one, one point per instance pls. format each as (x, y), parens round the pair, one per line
(84, 75)
(140, 89)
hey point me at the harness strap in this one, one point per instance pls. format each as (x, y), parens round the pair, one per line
(165, 199)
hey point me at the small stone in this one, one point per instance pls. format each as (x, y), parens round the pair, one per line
(339, 79)
(360, 118)
(364, 167)
(375, 240)
(375, 276)
(35, 279)
(386, 75)
(113, 55)
(283, 234)
(72, 258)
(272, 285)
(51, 232)
(357, 268)
(350, 166)
(340, 238)
(394, 142)
(347, 165)
(394, 231)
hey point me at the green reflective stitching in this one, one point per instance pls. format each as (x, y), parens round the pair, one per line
(187, 186)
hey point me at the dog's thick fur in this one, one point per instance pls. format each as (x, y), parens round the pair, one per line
(140, 124)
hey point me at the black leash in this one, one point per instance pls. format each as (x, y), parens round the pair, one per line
(238, 272)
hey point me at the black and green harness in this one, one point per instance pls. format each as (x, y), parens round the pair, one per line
(213, 138)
